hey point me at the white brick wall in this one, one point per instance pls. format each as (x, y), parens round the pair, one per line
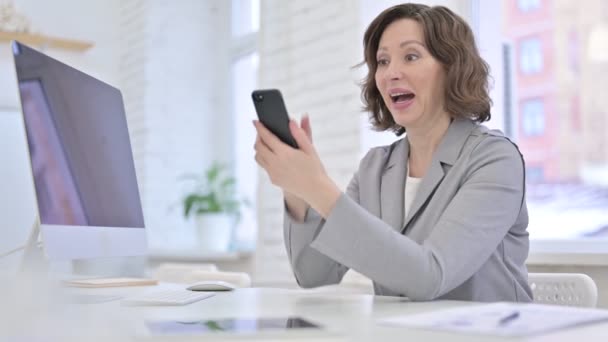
(132, 64)
(306, 50)
(175, 79)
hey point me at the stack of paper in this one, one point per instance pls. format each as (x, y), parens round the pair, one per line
(501, 319)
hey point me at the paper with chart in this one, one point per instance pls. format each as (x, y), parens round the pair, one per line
(502, 319)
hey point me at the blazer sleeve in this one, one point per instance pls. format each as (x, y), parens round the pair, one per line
(312, 268)
(475, 221)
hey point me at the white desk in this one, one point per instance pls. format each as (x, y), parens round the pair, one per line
(345, 316)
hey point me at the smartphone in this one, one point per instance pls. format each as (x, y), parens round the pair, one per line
(272, 113)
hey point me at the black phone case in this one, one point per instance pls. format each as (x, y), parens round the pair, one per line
(272, 112)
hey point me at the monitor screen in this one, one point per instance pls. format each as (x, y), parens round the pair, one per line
(79, 147)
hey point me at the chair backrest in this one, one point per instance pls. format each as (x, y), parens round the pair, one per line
(570, 289)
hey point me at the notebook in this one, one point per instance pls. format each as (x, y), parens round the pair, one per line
(501, 319)
(109, 282)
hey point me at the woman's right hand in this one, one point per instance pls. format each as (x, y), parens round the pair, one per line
(305, 125)
(297, 207)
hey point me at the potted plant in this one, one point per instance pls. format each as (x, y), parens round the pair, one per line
(215, 207)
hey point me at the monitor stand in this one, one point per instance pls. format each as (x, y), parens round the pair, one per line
(124, 266)
(33, 260)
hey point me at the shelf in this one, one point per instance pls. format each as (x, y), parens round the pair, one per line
(38, 40)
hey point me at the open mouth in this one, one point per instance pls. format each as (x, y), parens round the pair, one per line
(402, 97)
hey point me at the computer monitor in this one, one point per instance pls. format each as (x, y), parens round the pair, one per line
(82, 165)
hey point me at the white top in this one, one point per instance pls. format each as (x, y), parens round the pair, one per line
(411, 187)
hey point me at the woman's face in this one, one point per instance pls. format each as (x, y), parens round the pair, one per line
(410, 80)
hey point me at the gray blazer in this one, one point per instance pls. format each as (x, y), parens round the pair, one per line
(465, 236)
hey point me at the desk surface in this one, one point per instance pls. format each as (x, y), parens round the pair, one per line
(345, 316)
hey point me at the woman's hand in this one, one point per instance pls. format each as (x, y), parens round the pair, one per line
(298, 172)
(296, 206)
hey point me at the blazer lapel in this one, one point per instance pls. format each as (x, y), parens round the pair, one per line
(443, 159)
(393, 184)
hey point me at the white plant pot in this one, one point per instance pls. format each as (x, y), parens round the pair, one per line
(214, 232)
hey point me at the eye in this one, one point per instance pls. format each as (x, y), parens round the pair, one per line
(382, 62)
(410, 57)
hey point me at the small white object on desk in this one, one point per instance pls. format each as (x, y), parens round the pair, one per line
(211, 285)
(501, 319)
(238, 279)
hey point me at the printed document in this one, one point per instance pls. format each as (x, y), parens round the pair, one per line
(501, 319)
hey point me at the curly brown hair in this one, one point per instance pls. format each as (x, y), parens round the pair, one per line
(450, 40)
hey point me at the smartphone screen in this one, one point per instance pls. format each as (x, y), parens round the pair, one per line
(272, 112)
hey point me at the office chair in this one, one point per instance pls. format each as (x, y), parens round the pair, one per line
(570, 289)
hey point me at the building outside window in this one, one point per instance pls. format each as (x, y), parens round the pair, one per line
(534, 174)
(533, 117)
(530, 56)
(559, 114)
(528, 5)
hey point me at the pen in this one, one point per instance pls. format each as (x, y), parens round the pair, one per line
(508, 318)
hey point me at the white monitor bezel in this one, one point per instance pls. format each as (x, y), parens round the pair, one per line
(93, 242)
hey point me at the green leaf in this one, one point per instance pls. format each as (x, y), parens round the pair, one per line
(213, 173)
(213, 326)
(189, 202)
(228, 182)
(213, 191)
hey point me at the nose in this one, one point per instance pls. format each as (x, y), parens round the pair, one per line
(393, 72)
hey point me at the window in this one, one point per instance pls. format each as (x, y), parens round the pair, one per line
(559, 117)
(533, 117)
(245, 17)
(244, 76)
(530, 56)
(245, 24)
(534, 174)
(528, 5)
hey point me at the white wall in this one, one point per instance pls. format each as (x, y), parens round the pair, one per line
(175, 74)
(94, 21)
(17, 206)
(306, 50)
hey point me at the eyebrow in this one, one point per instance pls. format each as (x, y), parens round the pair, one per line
(404, 43)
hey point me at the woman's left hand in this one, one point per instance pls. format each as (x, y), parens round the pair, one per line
(297, 171)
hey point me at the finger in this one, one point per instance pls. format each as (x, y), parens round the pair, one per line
(257, 141)
(301, 138)
(261, 161)
(271, 140)
(263, 150)
(305, 124)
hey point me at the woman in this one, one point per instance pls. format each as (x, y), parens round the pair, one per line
(440, 214)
